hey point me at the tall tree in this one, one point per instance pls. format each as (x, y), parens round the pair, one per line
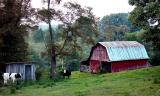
(71, 29)
(52, 50)
(146, 15)
(13, 30)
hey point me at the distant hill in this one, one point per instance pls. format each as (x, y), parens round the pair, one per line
(44, 26)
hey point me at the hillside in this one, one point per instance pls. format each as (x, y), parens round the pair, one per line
(140, 82)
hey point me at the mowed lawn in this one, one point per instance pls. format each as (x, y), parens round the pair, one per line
(140, 82)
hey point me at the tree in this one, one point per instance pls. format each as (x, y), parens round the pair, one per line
(116, 20)
(134, 36)
(70, 28)
(38, 36)
(146, 16)
(12, 30)
(113, 27)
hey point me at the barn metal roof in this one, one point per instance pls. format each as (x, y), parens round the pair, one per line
(125, 50)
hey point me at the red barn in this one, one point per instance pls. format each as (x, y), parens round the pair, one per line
(117, 56)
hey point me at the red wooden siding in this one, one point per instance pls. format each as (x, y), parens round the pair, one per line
(99, 53)
(94, 66)
(130, 64)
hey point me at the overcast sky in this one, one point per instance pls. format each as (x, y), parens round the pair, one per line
(100, 7)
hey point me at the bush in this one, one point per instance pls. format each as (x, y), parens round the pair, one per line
(38, 74)
(73, 65)
(155, 58)
(58, 76)
(19, 84)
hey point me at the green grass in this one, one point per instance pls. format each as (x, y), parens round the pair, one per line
(140, 82)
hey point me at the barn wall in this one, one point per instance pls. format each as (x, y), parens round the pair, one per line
(99, 53)
(127, 65)
(94, 66)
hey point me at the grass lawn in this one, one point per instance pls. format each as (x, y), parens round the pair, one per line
(140, 82)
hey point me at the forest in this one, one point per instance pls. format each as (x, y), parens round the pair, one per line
(58, 40)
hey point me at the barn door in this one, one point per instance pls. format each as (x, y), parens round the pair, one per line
(95, 66)
(105, 67)
(27, 72)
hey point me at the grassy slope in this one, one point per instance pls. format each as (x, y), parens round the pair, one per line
(129, 83)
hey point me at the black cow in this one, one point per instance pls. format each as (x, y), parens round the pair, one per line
(66, 73)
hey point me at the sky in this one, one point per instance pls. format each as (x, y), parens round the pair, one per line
(100, 7)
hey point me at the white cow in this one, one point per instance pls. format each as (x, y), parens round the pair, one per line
(15, 76)
(6, 77)
(11, 77)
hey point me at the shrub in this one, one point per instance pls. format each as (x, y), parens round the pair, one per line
(58, 76)
(38, 74)
(154, 57)
(19, 84)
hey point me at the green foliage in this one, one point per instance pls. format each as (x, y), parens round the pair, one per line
(130, 36)
(71, 36)
(116, 20)
(43, 36)
(134, 36)
(13, 47)
(113, 33)
(113, 27)
(74, 65)
(152, 36)
(38, 73)
(154, 57)
(38, 36)
(144, 11)
(146, 16)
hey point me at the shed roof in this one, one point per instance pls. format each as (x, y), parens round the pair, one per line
(29, 62)
(125, 50)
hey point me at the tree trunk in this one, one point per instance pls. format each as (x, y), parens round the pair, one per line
(53, 63)
(53, 54)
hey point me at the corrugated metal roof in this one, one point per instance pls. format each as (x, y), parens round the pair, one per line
(29, 62)
(125, 50)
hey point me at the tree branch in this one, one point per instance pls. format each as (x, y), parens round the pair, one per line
(61, 49)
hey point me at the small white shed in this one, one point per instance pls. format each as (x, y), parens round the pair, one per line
(27, 69)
